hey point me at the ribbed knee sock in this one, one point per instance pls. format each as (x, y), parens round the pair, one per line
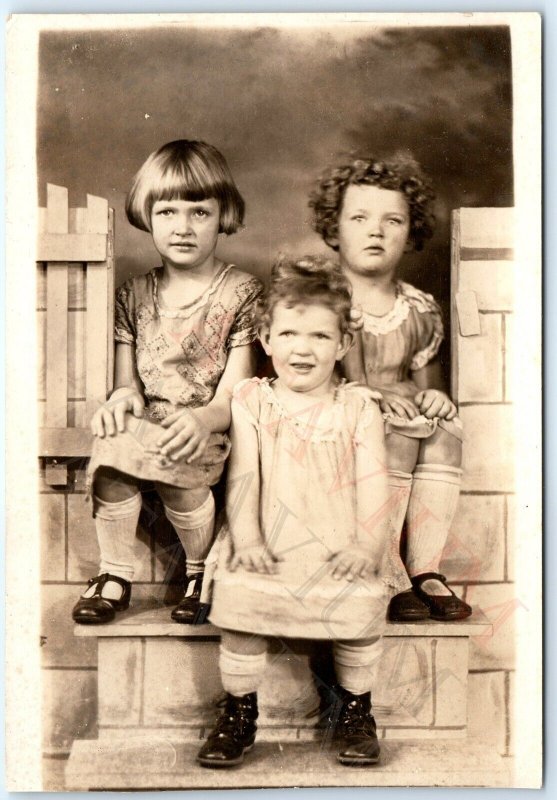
(116, 525)
(241, 674)
(432, 506)
(195, 531)
(400, 486)
(355, 664)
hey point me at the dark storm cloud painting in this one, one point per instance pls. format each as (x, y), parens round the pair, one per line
(280, 102)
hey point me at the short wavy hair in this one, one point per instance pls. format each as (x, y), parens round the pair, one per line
(399, 172)
(185, 170)
(311, 280)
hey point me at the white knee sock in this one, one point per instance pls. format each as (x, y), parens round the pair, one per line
(241, 674)
(195, 531)
(400, 486)
(432, 506)
(355, 664)
(116, 525)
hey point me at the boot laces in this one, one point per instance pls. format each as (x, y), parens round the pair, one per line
(356, 719)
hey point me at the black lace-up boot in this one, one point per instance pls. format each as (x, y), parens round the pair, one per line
(355, 730)
(234, 733)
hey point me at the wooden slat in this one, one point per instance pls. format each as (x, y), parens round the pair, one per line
(97, 214)
(57, 217)
(56, 359)
(110, 303)
(487, 254)
(96, 355)
(76, 354)
(487, 228)
(71, 247)
(56, 344)
(467, 311)
(69, 442)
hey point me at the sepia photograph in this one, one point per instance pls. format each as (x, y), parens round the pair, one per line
(274, 401)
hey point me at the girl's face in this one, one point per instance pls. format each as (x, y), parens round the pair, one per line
(373, 229)
(304, 343)
(186, 232)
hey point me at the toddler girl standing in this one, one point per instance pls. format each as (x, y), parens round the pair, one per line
(372, 212)
(183, 333)
(302, 555)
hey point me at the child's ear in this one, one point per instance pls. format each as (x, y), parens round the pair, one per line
(264, 335)
(345, 345)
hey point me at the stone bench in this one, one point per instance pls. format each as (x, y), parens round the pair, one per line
(154, 675)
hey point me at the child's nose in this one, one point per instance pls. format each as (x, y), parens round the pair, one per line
(375, 227)
(301, 345)
(183, 223)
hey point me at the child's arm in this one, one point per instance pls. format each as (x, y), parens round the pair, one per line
(188, 430)
(362, 559)
(242, 497)
(126, 397)
(432, 399)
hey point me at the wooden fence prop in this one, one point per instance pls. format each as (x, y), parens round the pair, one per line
(75, 311)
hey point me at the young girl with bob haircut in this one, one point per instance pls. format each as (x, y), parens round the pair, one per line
(373, 211)
(303, 553)
(183, 339)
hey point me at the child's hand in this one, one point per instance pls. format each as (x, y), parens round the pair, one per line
(256, 558)
(396, 404)
(433, 403)
(109, 419)
(186, 436)
(353, 562)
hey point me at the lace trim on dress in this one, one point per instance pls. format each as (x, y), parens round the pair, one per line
(186, 311)
(305, 424)
(407, 297)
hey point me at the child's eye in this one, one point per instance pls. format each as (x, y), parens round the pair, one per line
(202, 213)
(358, 217)
(396, 220)
(322, 336)
(165, 212)
(286, 333)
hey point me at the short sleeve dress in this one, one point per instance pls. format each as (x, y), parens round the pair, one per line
(399, 343)
(181, 354)
(307, 513)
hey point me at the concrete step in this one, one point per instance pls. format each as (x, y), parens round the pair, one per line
(155, 675)
(158, 763)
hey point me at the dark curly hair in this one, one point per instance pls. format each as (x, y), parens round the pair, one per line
(399, 172)
(310, 280)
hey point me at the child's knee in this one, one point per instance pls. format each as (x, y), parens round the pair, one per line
(444, 447)
(113, 486)
(182, 500)
(247, 644)
(402, 452)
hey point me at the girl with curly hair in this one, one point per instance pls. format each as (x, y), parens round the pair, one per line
(373, 211)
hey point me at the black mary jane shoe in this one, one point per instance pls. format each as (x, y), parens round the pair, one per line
(407, 607)
(441, 606)
(189, 610)
(96, 610)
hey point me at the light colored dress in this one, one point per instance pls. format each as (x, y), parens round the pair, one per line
(397, 344)
(181, 354)
(307, 513)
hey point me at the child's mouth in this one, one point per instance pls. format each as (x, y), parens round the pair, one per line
(300, 367)
(374, 250)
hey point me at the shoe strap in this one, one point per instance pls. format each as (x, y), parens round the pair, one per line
(417, 581)
(100, 581)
